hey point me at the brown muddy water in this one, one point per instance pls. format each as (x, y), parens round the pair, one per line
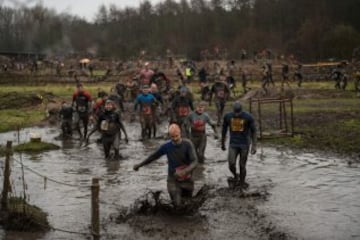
(292, 195)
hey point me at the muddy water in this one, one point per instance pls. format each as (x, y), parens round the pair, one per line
(311, 195)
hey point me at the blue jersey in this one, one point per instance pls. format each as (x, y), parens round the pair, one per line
(241, 126)
(177, 154)
(144, 100)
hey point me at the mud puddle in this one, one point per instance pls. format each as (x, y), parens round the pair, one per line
(291, 194)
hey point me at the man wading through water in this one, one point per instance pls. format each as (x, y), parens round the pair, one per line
(82, 103)
(198, 120)
(109, 124)
(182, 160)
(242, 133)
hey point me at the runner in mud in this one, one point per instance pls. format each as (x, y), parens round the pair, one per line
(204, 85)
(148, 104)
(182, 160)
(66, 115)
(162, 82)
(146, 75)
(244, 80)
(82, 103)
(230, 77)
(109, 124)
(132, 89)
(285, 75)
(222, 92)
(99, 106)
(181, 105)
(267, 77)
(340, 77)
(242, 130)
(198, 120)
(298, 75)
(157, 94)
(117, 99)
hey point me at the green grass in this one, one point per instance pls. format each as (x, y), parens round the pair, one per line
(99, 73)
(60, 90)
(326, 105)
(11, 119)
(35, 147)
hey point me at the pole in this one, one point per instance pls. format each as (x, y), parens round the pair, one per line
(280, 115)
(95, 213)
(292, 117)
(6, 186)
(285, 117)
(260, 120)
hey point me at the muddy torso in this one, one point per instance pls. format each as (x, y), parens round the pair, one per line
(198, 123)
(109, 123)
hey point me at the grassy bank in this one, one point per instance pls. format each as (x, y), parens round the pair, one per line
(18, 108)
(325, 124)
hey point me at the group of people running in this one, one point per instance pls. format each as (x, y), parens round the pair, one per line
(187, 127)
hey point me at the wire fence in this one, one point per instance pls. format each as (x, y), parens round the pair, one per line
(46, 179)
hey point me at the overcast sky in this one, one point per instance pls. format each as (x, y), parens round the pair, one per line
(82, 8)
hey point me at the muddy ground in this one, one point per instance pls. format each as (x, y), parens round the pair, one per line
(292, 194)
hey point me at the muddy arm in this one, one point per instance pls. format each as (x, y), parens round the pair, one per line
(253, 137)
(193, 164)
(154, 156)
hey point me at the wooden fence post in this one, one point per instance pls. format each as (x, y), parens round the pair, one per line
(6, 186)
(95, 213)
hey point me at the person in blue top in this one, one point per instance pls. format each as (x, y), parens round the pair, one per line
(182, 160)
(147, 103)
(241, 126)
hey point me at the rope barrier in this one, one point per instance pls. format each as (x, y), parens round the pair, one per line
(63, 230)
(68, 231)
(46, 178)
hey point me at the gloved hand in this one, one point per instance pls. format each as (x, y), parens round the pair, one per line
(253, 149)
(136, 167)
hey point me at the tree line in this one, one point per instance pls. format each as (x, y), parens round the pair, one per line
(310, 30)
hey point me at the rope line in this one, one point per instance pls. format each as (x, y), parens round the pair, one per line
(68, 231)
(46, 178)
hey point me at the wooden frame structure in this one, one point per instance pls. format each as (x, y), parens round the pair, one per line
(285, 129)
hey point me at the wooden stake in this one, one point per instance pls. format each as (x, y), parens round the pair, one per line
(95, 210)
(6, 186)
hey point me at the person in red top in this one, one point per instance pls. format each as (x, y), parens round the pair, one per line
(146, 74)
(82, 104)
